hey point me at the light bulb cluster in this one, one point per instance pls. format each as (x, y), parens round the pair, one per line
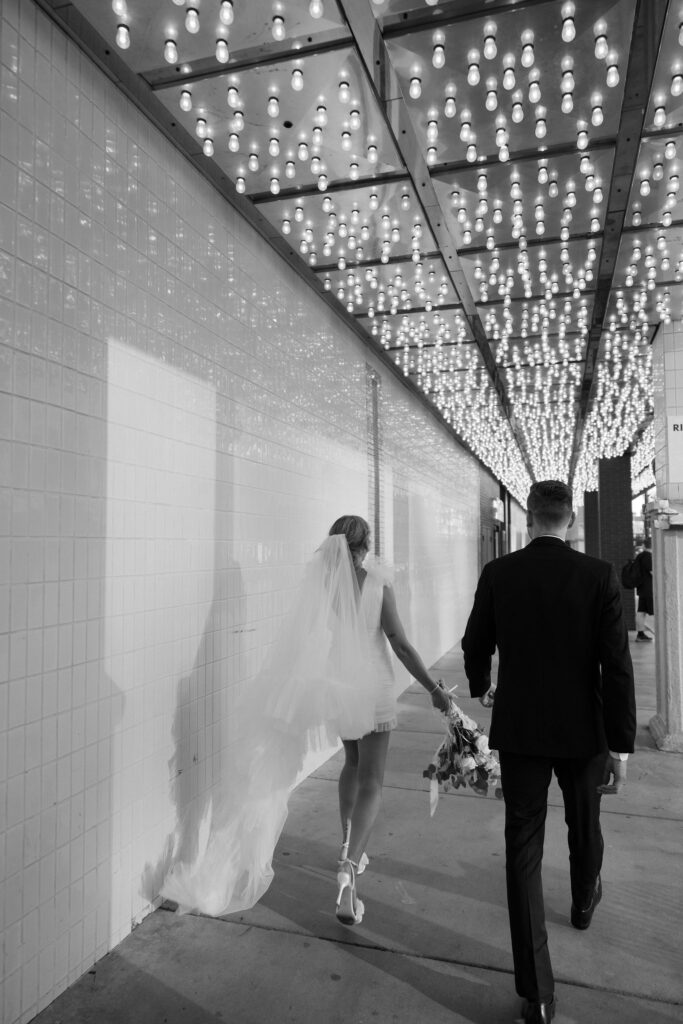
(376, 290)
(489, 216)
(373, 225)
(511, 83)
(622, 399)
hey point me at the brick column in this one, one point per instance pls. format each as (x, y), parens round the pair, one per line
(591, 523)
(616, 521)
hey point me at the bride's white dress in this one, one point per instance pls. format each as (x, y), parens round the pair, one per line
(328, 675)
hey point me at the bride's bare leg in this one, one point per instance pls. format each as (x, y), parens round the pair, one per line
(372, 756)
(348, 782)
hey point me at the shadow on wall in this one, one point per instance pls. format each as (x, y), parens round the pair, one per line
(204, 725)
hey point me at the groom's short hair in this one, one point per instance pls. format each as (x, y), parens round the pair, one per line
(550, 501)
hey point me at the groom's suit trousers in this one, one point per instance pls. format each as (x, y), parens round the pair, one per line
(526, 780)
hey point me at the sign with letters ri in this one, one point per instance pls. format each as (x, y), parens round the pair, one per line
(675, 449)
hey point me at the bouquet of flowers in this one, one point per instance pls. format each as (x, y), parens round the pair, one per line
(463, 759)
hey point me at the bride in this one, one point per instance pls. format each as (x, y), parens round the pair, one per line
(327, 676)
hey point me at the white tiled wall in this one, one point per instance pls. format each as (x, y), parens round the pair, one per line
(667, 368)
(180, 421)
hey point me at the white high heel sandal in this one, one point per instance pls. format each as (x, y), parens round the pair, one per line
(350, 908)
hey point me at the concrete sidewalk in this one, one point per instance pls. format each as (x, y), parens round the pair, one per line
(434, 945)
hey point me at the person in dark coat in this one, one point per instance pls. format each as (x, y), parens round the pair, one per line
(564, 703)
(646, 602)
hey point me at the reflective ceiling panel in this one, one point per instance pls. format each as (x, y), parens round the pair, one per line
(487, 192)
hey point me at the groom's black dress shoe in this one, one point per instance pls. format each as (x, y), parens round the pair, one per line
(582, 918)
(539, 1013)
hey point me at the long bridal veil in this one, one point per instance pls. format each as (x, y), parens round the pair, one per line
(313, 687)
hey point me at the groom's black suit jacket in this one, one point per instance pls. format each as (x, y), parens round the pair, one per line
(565, 678)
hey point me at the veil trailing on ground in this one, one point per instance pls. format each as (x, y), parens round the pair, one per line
(313, 687)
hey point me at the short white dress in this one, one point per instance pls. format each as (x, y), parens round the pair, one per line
(384, 681)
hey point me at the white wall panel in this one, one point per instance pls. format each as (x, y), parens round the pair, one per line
(181, 419)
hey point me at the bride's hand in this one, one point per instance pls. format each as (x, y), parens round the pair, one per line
(440, 699)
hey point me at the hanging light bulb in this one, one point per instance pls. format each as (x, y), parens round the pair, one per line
(568, 27)
(473, 75)
(415, 88)
(597, 116)
(170, 51)
(192, 20)
(240, 185)
(200, 128)
(450, 108)
(274, 146)
(344, 92)
(677, 84)
(670, 150)
(122, 37)
(645, 187)
(534, 87)
(465, 125)
(237, 123)
(541, 123)
(658, 171)
(600, 35)
(222, 51)
(302, 151)
(528, 56)
(438, 52)
(509, 71)
(186, 101)
(275, 186)
(659, 118)
(120, 8)
(226, 12)
(278, 28)
(612, 70)
(316, 9)
(491, 94)
(471, 154)
(253, 162)
(432, 130)
(322, 182)
(233, 142)
(273, 107)
(582, 139)
(207, 147)
(290, 169)
(490, 47)
(233, 97)
(297, 79)
(517, 107)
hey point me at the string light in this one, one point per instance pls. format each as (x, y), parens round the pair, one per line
(186, 101)
(122, 37)
(222, 51)
(226, 12)
(490, 47)
(438, 52)
(192, 20)
(568, 27)
(170, 51)
(278, 28)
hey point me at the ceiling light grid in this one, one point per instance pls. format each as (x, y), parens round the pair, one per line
(515, 82)
(517, 115)
(346, 228)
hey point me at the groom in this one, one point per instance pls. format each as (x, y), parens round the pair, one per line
(564, 703)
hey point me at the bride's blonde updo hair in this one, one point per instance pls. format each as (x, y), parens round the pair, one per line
(357, 533)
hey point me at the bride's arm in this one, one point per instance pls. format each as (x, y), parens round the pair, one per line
(406, 653)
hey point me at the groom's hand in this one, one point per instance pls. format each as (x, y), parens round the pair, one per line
(486, 700)
(616, 770)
